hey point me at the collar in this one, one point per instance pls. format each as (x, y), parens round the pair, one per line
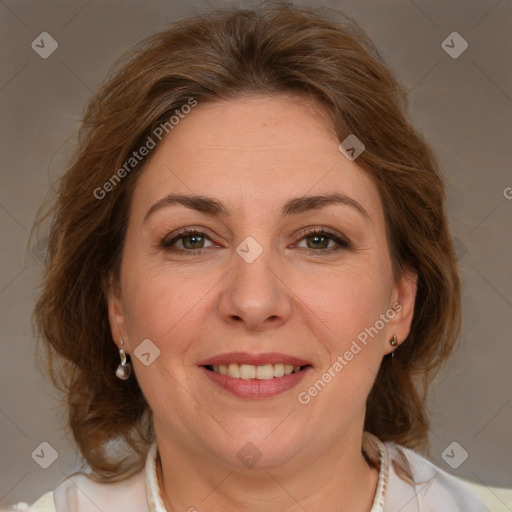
(153, 492)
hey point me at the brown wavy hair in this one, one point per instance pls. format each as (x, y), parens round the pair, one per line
(274, 48)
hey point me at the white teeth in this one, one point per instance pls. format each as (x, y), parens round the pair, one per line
(234, 370)
(264, 372)
(249, 371)
(278, 370)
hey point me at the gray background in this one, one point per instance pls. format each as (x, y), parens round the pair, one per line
(463, 107)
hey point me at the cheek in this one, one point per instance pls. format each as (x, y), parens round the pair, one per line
(165, 305)
(347, 302)
(167, 310)
(347, 320)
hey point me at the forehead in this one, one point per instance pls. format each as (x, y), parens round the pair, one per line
(258, 148)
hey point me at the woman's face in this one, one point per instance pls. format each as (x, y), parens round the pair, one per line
(256, 286)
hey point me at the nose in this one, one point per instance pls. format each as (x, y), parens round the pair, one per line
(256, 294)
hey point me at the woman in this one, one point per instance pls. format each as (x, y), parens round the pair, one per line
(251, 281)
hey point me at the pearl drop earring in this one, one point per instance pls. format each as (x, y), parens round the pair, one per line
(124, 370)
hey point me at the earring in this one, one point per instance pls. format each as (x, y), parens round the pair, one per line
(394, 341)
(124, 370)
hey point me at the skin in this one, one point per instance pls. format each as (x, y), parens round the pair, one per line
(253, 154)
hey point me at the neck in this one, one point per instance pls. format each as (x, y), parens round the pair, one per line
(347, 483)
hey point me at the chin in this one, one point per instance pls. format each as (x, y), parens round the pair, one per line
(262, 448)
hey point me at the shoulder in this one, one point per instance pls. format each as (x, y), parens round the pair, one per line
(81, 494)
(43, 504)
(431, 487)
(23, 507)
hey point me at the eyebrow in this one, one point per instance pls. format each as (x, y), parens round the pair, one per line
(295, 206)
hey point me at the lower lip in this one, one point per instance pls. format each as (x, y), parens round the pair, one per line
(255, 388)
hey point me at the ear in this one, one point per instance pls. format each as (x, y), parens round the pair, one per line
(404, 297)
(116, 316)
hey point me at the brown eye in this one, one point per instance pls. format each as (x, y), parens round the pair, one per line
(191, 240)
(319, 240)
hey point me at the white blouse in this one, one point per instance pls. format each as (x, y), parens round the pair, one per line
(433, 489)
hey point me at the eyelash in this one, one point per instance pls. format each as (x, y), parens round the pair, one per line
(168, 244)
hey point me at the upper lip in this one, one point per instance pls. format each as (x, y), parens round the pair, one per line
(253, 359)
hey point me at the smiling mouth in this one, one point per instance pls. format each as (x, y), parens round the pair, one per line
(249, 371)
